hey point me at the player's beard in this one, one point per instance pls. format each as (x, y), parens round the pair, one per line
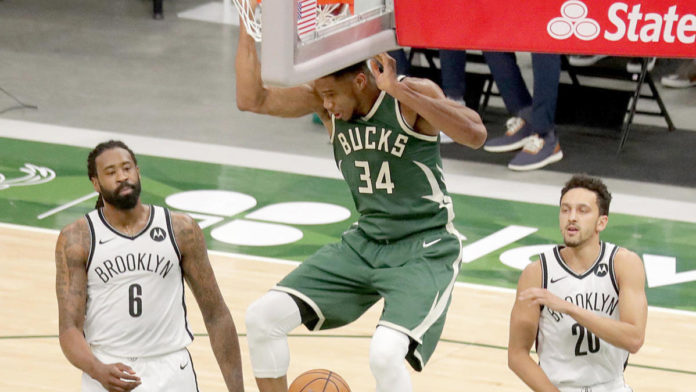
(125, 202)
(576, 240)
(572, 243)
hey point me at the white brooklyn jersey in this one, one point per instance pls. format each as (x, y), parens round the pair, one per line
(135, 289)
(569, 354)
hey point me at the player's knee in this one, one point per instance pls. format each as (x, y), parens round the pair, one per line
(388, 349)
(255, 320)
(271, 316)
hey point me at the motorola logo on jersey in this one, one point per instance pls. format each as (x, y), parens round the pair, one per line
(601, 270)
(158, 234)
(626, 23)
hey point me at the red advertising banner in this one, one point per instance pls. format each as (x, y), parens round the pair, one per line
(661, 28)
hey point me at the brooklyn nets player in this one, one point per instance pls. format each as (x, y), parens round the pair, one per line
(119, 283)
(584, 302)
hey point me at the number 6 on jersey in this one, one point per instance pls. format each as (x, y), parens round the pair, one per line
(135, 303)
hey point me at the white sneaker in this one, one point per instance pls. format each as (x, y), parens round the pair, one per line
(585, 60)
(635, 65)
(684, 77)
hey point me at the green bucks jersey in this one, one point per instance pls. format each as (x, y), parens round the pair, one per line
(394, 173)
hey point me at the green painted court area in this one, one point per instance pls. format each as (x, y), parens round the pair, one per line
(476, 217)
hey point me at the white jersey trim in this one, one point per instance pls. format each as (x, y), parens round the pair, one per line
(407, 128)
(564, 265)
(374, 108)
(92, 241)
(100, 212)
(170, 229)
(308, 301)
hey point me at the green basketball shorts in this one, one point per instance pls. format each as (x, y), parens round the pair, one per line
(415, 276)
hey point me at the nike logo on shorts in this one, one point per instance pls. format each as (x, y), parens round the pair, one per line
(431, 243)
(184, 365)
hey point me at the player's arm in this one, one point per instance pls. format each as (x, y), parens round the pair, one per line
(201, 279)
(254, 96)
(524, 322)
(435, 112)
(72, 250)
(629, 331)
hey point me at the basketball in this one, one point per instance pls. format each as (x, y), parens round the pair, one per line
(319, 380)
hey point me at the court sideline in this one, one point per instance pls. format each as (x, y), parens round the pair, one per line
(471, 355)
(107, 66)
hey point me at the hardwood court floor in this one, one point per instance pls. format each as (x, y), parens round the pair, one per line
(471, 356)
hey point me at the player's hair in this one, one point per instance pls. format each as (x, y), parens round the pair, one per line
(352, 70)
(92, 160)
(593, 184)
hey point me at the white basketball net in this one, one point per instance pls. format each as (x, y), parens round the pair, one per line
(326, 15)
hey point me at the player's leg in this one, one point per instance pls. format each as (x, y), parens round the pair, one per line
(417, 291)
(388, 349)
(268, 321)
(326, 291)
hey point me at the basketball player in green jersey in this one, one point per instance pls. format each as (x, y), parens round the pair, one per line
(404, 248)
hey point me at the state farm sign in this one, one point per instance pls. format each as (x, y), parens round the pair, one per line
(664, 28)
(625, 23)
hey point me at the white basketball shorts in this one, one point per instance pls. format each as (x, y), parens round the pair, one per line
(171, 372)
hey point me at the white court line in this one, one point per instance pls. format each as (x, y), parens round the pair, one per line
(262, 259)
(323, 167)
(66, 205)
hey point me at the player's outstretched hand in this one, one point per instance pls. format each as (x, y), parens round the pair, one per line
(117, 377)
(386, 76)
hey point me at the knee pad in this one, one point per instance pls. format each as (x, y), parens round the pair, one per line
(388, 349)
(268, 321)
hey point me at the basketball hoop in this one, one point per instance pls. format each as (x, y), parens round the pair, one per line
(312, 15)
(306, 39)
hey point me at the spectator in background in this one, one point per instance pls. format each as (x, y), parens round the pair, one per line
(532, 126)
(685, 76)
(402, 64)
(633, 64)
(453, 74)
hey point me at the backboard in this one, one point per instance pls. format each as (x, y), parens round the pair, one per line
(289, 59)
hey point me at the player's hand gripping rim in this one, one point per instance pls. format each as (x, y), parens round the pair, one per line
(383, 68)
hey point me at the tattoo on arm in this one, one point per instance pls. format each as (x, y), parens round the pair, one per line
(72, 250)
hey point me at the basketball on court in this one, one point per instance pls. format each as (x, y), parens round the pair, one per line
(319, 380)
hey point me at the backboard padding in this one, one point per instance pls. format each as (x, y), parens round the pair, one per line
(287, 61)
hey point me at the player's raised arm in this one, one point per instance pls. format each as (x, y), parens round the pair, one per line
(435, 112)
(201, 279)
(72, 251)
(254, 96)
(524, 322)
